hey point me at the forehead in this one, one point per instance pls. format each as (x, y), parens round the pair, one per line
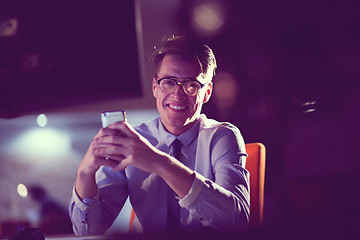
(178, 66)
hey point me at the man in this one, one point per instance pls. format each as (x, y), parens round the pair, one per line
(201, 184)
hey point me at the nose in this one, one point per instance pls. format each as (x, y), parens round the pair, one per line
(179, 90)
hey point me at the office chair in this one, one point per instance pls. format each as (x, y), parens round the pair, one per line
(255, 164)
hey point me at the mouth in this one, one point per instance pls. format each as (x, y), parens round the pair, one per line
(176, 107)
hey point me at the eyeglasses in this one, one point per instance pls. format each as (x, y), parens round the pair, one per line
(190, 86)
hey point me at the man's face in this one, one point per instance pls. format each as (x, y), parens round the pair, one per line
(178, 111)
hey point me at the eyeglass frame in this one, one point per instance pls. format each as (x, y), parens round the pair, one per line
(158, 80)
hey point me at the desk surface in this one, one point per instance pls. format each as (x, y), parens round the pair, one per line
(73, 237)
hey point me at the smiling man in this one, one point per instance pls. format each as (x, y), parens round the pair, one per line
(180, 107)
(182, 171)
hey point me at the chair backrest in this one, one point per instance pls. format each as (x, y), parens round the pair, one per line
(255, 164)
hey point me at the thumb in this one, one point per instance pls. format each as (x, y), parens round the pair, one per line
(121, 166)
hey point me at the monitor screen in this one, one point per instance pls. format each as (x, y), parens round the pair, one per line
(67, 52)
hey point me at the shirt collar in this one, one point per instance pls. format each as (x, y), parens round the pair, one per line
(186, 138)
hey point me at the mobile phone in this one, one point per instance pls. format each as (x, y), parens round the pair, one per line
(110, 117)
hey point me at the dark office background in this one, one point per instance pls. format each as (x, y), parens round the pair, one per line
(288, 76)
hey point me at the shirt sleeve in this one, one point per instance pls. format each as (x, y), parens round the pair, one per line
(94, 216)
(194, 191)
(78, 212)
(222, 201)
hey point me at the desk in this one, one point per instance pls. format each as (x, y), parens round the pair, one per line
(73, 237)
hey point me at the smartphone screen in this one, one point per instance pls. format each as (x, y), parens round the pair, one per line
(110, 117)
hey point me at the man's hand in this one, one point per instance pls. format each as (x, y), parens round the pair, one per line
(85, 183)
(91, 162)
(122, 143)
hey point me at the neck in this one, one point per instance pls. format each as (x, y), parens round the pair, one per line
(178, 130)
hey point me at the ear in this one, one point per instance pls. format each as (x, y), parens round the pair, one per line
(208, 92)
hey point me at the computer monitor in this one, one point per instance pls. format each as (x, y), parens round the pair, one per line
(67, 52)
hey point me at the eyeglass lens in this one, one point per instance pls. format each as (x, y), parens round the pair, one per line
(190, 87)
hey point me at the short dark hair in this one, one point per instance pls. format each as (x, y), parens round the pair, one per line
(183, 46)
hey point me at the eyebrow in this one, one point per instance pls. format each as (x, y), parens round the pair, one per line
(178, 78)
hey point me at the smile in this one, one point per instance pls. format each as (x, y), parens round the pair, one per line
(177, 107)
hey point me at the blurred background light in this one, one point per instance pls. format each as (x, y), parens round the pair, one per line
(50, 143)
(226, 90)
(308, 103)
(22, 190)
(208, 18)
(308, 107)
(42, 120)
(309, 110)
(8, 27)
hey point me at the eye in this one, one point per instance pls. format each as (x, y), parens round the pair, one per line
(193, 84)
(168, 82)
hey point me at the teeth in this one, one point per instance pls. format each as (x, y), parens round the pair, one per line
(176, 107)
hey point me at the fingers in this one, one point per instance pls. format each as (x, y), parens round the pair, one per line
(118, 129)
(108, 162)
(110, 132)
(115, 152)
(115, 138)
(121, 166)
(116, 162)
(106, 148)
(125, 128)
(104, 141)
(118, 142)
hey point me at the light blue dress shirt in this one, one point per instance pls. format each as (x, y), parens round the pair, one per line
(219, 197)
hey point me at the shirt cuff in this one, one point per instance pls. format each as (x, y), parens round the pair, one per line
(84, 204)
(196, 187)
